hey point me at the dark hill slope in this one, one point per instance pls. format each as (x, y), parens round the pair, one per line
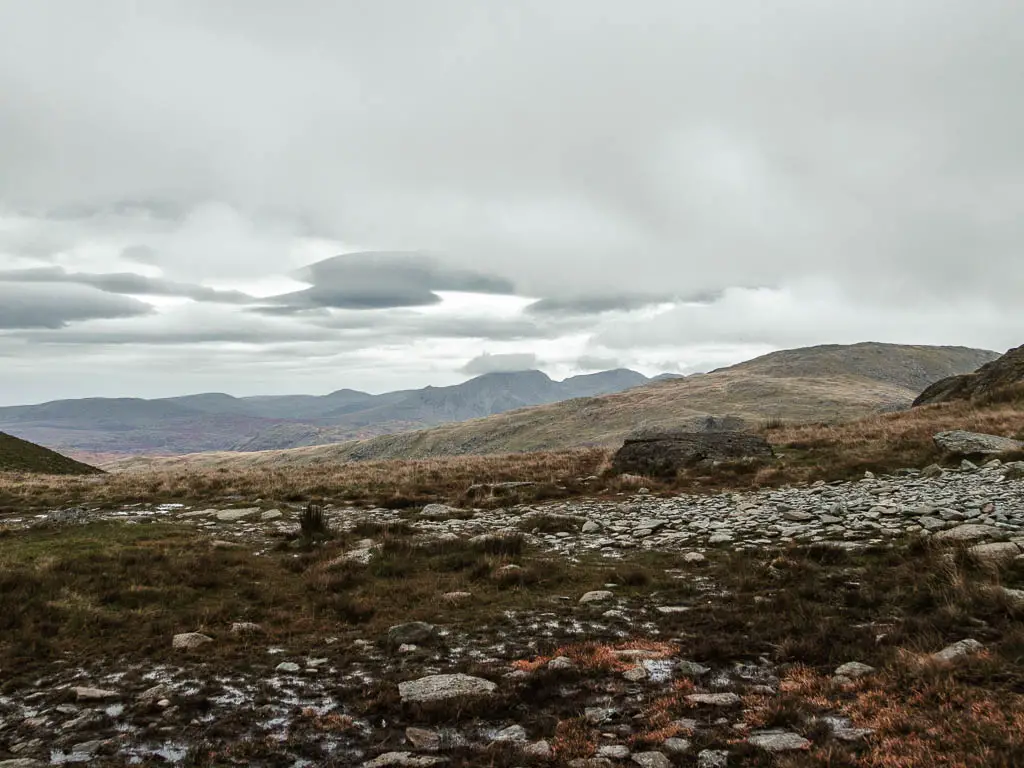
(1002, 373)
(17, 455)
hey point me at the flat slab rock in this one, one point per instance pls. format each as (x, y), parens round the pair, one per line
(779, 741)
(968, 443)
(86, 693)
(403, 760)
(444, 687)
(231, 515)
(968, 532)
(714, 699)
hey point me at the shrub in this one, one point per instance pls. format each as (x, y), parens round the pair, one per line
(313, 523)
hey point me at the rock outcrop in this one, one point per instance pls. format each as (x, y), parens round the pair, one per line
(963, 443)
(665, 453)
(1002, 373)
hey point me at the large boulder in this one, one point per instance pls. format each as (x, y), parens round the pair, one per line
(665, 453)
(964, 443)
(444, 687)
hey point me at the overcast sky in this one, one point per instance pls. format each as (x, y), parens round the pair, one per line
(259, 197)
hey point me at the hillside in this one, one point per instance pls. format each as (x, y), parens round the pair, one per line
(217, 421)
(1006, 371)
(18, 455)
(815, 384)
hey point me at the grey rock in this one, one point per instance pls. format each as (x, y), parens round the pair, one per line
(968, 532)
(245, 628)
(22, 762)
(152, 695)
(288, 667)
(439, 510)
(1014, 596)
(514, 733)
(995, 552)
(652, 760)
(961, 442)
(414, 632)
(87, 693)
(635, 675)
(598, 715)
(233, 515)
(713, 758)
(444, 687)
(854, 669)
(779, 741)
(561, 662)
(189, 640)
(714, 699)
(597, 596)
(664, 453)
(691, 669)
(540, 750)
(423, 739)
(958, 650)
(403, 760)
(614, 751)
(676, 746)
(797, 516)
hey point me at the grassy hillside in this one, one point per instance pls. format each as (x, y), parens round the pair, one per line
(880, 443)
(784, 387)
(18, 455)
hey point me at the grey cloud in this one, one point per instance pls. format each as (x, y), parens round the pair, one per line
(167, 338)
(379, 280)
(33, 306)
(398, 326)
(592, 305)
(508, 363)
(595, 363)
(125, 282)
(140, 254)
(577, 149)
(883, 155)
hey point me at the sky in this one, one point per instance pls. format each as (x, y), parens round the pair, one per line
(257, 197)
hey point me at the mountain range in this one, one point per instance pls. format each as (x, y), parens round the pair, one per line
(826, 383)
(218, 422)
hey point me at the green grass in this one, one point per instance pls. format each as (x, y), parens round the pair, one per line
(114, 592)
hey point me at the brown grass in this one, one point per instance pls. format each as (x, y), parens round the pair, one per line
(601, 657)
(806, 452)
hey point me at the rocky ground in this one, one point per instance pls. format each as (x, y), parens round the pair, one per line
(773, 627)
